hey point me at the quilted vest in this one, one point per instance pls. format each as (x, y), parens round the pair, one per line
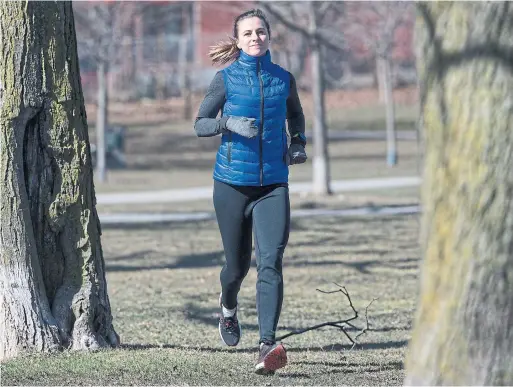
(255, 88)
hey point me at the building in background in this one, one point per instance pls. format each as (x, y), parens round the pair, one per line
(166, 50)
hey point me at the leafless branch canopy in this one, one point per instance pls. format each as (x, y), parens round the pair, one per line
(103, 25)
(295, 16)
(374, 23)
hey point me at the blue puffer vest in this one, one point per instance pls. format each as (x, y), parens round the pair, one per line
(255, 88)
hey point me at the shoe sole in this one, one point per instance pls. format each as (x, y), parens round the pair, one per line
(274, 360)
(219, 327)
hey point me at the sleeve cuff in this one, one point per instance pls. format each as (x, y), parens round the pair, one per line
(301, 140)
(222, 123)
(298, 140)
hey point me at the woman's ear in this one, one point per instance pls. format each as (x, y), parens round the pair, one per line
(238, 44)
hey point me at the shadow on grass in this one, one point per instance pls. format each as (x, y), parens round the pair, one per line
(327, 348)
(315, 242)
(136, 346)
(391, 329)
(363, 267)
(185, 261)
(127, 257)
(337, 240)
(325, 225)
(346, 347)
(356, 367)
(293, 375)
(216, 259)
(156, 226)
(208, 316)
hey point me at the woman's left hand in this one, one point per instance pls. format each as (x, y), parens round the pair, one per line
(296, 154)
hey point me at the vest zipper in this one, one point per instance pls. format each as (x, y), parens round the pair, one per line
(261, 121)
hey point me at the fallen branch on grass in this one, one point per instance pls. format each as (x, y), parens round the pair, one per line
(340, 324)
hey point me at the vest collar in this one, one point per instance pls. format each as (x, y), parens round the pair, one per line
(252, 61)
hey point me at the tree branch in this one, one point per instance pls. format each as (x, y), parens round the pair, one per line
(340, 324)
(104, 25)
(269, 8)
(364, 330)
(291, 25)
(375, 25)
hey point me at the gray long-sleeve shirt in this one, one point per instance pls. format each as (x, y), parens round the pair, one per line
(207, 124)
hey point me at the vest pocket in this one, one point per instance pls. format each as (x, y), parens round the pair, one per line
(229, 152)
(284, 145)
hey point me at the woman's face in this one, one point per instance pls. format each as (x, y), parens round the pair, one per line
(253, 37)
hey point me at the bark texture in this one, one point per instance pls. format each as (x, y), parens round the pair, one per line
(463, 332)
(52, 276)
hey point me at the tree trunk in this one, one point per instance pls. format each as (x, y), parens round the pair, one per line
(463, 331)
(185, 60)
(160, 76)
(380, 77)
(390, 114)
(101, 123)
(52, 275)
(320, 163)
(185, 85)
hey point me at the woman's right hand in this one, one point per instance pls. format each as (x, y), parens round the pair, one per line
(243, 126)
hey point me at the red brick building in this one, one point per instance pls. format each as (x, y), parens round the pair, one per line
(153, 45)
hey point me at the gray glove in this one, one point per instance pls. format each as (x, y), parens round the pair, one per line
(242, 125)
(296, 154)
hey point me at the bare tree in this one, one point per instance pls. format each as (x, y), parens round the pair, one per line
(375, 24)
(185, 56)
(52, 275)
(290, 49)
(463, 333)
(306, 18)
(320, 162)
(103, 25)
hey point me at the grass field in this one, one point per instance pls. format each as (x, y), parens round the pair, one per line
(163, 284)
(164, 153)
(163, 279)
(160, 158)
(168, 162)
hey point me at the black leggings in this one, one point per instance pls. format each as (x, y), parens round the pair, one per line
(266, 211)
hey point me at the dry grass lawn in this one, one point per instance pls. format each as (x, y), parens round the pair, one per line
(163, 279)
(163, 284)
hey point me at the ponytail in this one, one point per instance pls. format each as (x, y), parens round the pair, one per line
(224, 51)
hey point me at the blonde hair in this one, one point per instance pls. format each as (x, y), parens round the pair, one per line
(224, 51)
